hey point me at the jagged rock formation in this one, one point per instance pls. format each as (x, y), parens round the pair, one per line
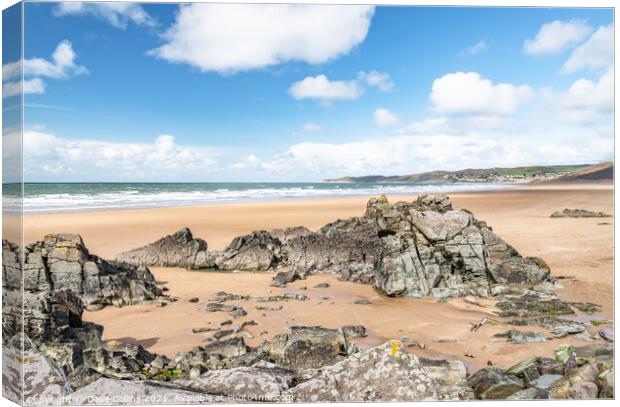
(428, 247)
(62, 262)
(414, 248)
(52, 320)
(180, 249)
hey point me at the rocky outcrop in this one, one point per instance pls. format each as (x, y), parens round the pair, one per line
(62, 262)
(418, 248)
(578, 213)
(385, 373)
(180, 249)
(53, 326)
(427, 244)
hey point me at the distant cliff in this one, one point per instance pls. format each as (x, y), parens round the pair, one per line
(584, 172)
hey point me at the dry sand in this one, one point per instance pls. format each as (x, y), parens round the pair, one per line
(582, 248)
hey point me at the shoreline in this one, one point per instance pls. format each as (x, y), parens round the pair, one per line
(492, 188)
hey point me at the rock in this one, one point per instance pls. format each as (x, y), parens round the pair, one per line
(307, 347)
(362, 301)
(244, 383)
(545, 381)
(531, 393)
(362, 377)
(180, 249)
(606, 384)
(293, 274)
(107, 391)
(322, 285)
(226, 322)
(286, 234)
(27, 372)
(193, 299)
(53, 321)
(586, 307)
(532, 368)
(222, 333)
(346, 248)
(577, 383)
(492, 384)
(425, 247)
(531, 306)
(62, 262)
(606, 334)
(585, 336)
(233, 347)
(583, 390)
(450, 377)
(256, 251)
(219, 307)
(578, 213)
(514, 336)
(354, 331)
(238, 313)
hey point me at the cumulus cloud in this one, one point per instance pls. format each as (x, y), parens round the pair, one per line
(383, 117)
(61, 66)
(312, 127)
(115, 13)
(596, 52)
(324, 90)
(47, 154)
(229, 38)
(469, 93)
(380, 80)
(477, 48)
(584, 102)
(557, 36)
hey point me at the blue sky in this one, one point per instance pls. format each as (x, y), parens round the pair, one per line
(294, 93)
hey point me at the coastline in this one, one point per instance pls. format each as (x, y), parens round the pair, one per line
(581, 249)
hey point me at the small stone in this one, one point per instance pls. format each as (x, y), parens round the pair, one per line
(322, 285)
(193, 299)
(362, 301)
(227, 322)
(607, 334)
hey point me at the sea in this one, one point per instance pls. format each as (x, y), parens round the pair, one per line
(73, 197)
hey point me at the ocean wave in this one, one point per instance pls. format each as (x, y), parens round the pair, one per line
(158, 196)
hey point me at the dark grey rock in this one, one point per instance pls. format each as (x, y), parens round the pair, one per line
(180, 249)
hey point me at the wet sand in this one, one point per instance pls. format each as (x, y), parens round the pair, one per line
(579, 248)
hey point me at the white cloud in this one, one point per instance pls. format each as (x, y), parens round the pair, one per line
(411, 153)
(557, 36)
(380, 80)
(35, 85)
(311, 127)
(322, 89)
(81, 159)
(228, 38)
(61, 66)
(468, 92)
(596, 52)
(383, 117)
(584, 102)
(115, 13)
(477, 48)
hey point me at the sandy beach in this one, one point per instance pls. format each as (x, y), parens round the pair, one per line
(578, 248)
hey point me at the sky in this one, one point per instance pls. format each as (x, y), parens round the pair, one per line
(224, 92)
